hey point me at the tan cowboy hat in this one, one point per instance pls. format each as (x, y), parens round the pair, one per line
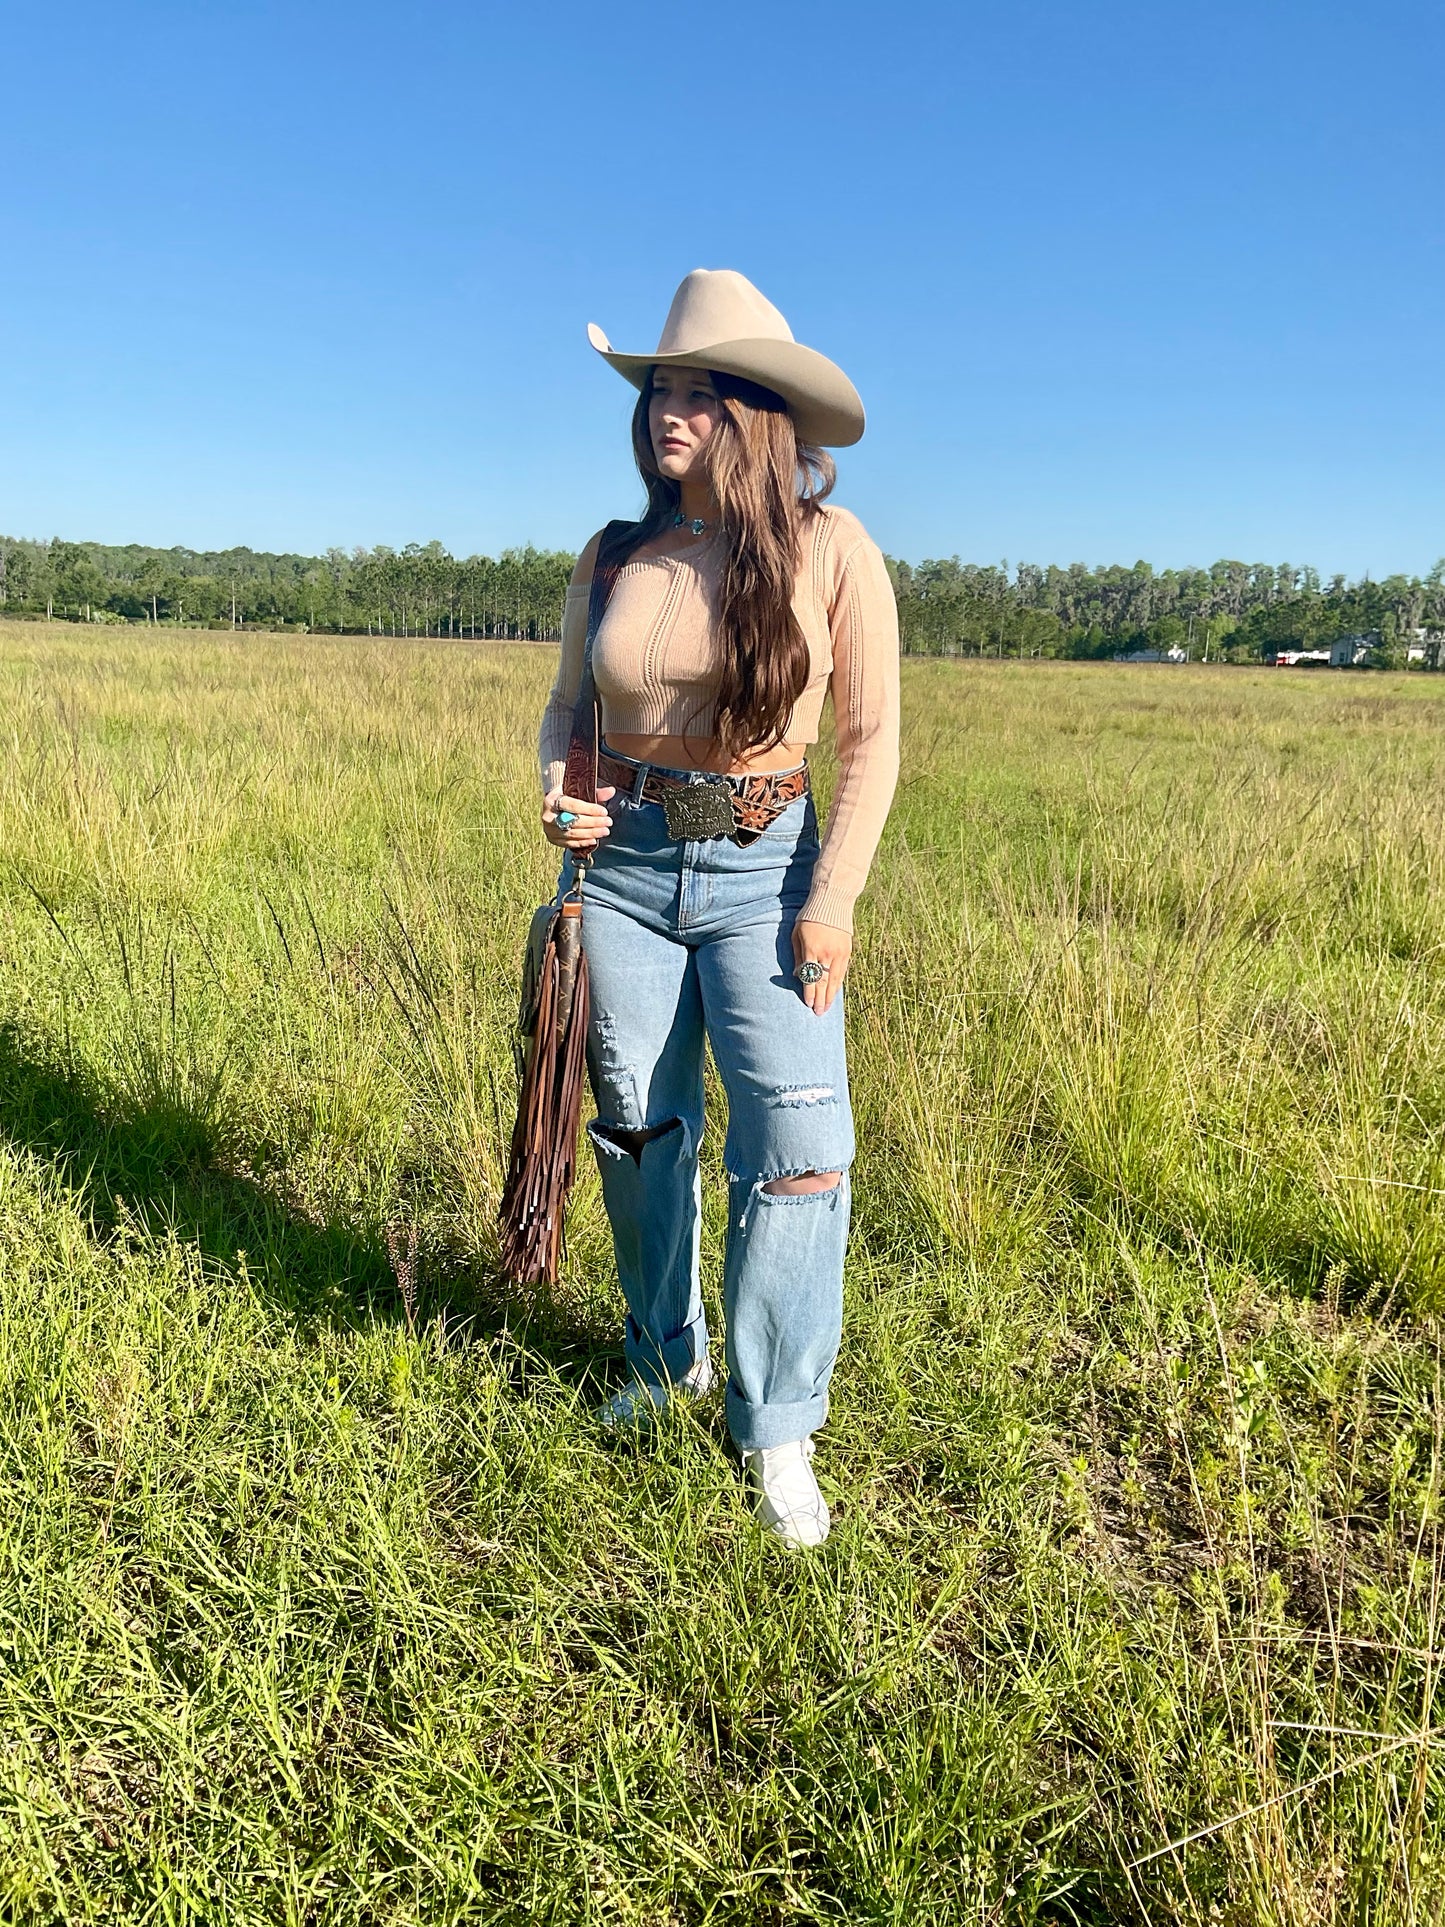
(719, 320)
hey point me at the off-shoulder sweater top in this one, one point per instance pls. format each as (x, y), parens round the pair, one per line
(656, 663)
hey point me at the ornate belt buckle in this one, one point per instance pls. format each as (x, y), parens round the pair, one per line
(697, 812)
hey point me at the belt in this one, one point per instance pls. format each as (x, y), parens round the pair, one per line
(697, 810)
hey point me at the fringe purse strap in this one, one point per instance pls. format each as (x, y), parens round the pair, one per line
(551, 1044)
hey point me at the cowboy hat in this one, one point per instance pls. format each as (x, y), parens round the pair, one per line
(719, 320)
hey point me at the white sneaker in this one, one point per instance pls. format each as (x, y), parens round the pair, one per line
(785, 1493)
(637, 1403)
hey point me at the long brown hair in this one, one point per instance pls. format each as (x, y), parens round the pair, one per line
(768, 485)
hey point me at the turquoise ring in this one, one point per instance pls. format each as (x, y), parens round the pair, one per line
(566, 818)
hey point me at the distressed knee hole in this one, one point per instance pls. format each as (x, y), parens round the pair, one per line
(633, 1142)
(795, 1097)
(803, 1185)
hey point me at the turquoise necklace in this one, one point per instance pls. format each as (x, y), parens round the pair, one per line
(696, 525)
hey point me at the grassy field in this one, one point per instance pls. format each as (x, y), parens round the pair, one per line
(321, 1600)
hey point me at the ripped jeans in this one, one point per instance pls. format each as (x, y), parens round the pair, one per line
(688, 942)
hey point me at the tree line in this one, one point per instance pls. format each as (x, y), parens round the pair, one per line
(420, 590)
(1231, 611)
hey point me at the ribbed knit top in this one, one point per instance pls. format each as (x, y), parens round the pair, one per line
(656, 662)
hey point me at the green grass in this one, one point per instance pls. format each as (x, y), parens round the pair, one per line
(322, 1602)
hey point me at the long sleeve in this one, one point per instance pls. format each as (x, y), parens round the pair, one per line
(556, 730)
(863, 618)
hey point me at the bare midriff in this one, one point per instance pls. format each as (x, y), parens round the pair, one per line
(704, 752)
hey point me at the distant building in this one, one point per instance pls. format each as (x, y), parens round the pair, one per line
(1345, 652)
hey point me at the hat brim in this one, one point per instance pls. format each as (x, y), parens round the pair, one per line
(824, 404)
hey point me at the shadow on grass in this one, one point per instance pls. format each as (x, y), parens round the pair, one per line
(158, 1171)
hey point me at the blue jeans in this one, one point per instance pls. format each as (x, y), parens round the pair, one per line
(687, 943)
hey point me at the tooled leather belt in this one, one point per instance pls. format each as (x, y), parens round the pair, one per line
(740, 807)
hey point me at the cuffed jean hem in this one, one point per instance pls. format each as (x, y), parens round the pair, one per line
(662, 1362)
(758, 1428)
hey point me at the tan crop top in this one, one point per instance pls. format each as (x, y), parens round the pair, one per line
(655, 659)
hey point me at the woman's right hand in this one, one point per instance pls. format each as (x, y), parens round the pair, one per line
(591, 822)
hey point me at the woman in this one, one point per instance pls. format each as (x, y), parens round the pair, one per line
(736, 603)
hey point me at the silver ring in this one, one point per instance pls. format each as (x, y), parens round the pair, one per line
(811, 972)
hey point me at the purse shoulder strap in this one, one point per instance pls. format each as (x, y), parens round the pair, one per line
(580, 779)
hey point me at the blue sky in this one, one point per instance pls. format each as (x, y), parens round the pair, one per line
(1115, 280)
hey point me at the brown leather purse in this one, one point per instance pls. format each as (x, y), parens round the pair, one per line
(551, 1041)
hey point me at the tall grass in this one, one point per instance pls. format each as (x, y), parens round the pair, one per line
(321, 1600)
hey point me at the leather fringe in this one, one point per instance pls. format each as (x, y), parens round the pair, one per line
(543, 1157)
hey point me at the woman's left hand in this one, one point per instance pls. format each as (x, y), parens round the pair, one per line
(821, 943)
